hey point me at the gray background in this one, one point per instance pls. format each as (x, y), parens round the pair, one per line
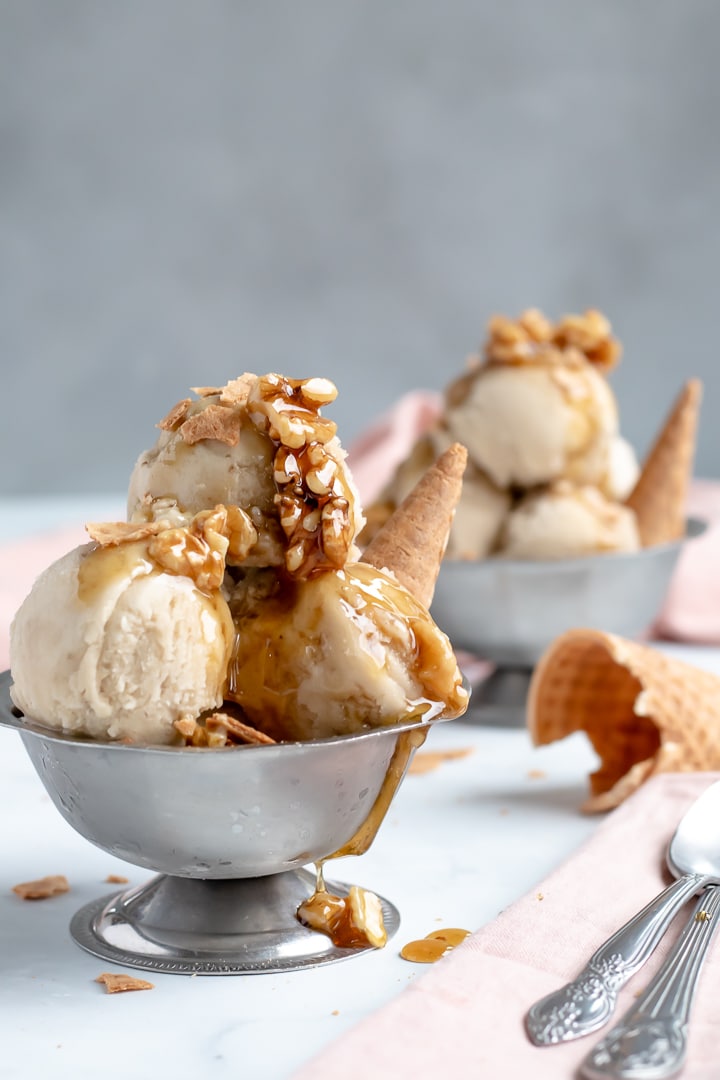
(341, 187)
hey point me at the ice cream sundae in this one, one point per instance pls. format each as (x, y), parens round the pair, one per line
(549, 475)
(232, 607)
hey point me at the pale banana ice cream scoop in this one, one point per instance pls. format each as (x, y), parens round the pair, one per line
(530, 424)
(622, 469)
(480, 512)
(339, 653)
(233, 445)
(107, 646)
(564, 521)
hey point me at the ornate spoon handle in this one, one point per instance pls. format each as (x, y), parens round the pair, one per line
(650, 1042)
(585, 1004)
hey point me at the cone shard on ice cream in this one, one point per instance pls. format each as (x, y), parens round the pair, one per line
(643, 712)
(412, 542)
(660, 494)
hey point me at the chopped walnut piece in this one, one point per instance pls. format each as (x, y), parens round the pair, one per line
(176, 416)
(114, 533)
(573, 340)
(591, 334)
(350, 922)
(279, 408)
(186, 726)
(182, 552)
(215, 422)
(314, 506)
(231, 523)
(116, 879)
(199, 551)
(43, 888)
(236, 730)
(118, 983)
(536, 325)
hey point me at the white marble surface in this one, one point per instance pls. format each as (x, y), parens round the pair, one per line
(459, 844)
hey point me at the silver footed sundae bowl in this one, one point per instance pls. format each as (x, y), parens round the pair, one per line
(229, 834)
(232, 606)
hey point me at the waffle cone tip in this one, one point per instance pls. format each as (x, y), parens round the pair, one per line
(660, 494)
(412, 542)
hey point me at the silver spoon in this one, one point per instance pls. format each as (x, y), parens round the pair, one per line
(650, 1041)
(585, 1004)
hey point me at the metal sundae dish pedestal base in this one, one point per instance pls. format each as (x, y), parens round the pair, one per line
(188, 926)
(500, 699)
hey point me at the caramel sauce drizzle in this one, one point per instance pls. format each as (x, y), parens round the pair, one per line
(434, 945)
(328, 913)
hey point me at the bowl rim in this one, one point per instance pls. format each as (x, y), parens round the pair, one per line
(25, 726)
(694, 528)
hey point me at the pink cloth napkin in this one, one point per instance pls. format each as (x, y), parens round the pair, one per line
(20, 563)
(464, 1017)
(692, 606)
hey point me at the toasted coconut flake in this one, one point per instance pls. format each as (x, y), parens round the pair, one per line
(119, 983)
(43, 888)
(206, 391)
(176, 415)
(215, 422)
(236, 391)
(236, 730)
(114, 533)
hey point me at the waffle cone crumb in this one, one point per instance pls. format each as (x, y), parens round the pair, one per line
(412, 542)
(119, 983)
(643, 712)
(43, 888)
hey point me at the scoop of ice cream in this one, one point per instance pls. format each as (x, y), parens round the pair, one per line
(176, 479)
(108, 646)
(259, 443)
(563, 522)
(338, 653)
(529, 424)
(479, 514)
(622, 470)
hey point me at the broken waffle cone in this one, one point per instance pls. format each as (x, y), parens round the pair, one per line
(660, 494)
(643, 712)
(412, 542)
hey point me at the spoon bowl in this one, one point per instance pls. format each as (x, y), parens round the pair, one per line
(695, 846)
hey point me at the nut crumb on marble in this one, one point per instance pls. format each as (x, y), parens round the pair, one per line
(43, 888)
(426, 761)
(119, 983)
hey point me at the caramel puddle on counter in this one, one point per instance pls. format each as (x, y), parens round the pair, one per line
(357, 920)
(434, 945)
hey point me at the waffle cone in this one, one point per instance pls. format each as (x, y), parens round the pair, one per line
(660, 495)
(412, 542)
(644, 713)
